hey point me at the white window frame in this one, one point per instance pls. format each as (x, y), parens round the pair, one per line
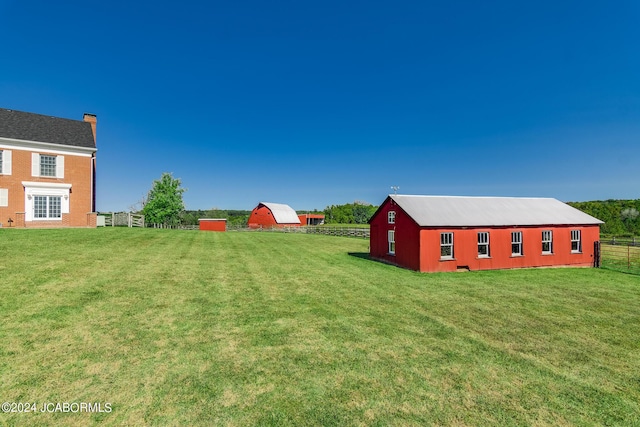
(576, 237)
(516, 243)
(52, 208)
(49, 167)
(547, 242)
(32, 189)
(5, 162)
(446, 245)
(483, 241)
(391, 217)
(391, 240)
(36, 165)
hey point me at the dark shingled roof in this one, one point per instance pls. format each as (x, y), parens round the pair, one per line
(36, 127)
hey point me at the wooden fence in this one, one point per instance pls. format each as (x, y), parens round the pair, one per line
(122, 219)
(360, 232)
(174, 227)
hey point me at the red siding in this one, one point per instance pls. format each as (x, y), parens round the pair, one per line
(310, 219)
(418, 248)
(213, 224)
(465, 248)
(261, 217)
(407, 237)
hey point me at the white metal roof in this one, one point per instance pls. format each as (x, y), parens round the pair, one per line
(283, 214)
(456, 211)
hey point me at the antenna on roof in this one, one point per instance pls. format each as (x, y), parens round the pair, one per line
(395, 189)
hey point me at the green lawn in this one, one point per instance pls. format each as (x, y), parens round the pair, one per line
(197, 328)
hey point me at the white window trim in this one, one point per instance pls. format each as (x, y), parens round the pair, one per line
(446, 244)
(488, 254)
(517, 241)
(547, 237)
(45, 189)
(578, 240)
(391, 217)
(391, 239)
(4, 197)
(35, 165)
(48, 208)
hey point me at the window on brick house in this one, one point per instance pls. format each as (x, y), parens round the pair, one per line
(47, 165)
(47, 207)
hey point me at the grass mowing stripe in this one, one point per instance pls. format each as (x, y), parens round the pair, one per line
(181, 327)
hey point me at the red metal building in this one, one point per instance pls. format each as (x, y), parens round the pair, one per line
(268, 215)
(213, 224)
(444, 233)
(311, 219)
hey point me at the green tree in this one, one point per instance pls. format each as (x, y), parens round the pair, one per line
(164, 203)
(352, 213)
(628, 216)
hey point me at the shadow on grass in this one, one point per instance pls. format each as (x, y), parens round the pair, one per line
(362, 255)
(365, 255)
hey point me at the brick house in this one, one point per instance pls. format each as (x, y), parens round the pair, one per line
(47, 170)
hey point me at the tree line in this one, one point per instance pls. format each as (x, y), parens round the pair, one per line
(164, 205)
(350, 213)
(621, 217)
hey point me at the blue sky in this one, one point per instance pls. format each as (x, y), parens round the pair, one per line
(320, 103)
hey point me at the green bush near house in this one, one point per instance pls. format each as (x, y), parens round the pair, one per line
(198, 328)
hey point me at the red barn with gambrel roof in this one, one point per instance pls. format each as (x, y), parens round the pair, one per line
(445, 233)
(268, 215)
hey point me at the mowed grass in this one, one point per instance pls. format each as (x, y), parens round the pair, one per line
(199, 328)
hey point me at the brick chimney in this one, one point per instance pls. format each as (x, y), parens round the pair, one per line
(91, 118)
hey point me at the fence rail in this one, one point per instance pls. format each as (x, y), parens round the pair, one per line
(310, 229)
(363, 233)
(622, 255)
(174, 227)
(122, 219)
(358, 232)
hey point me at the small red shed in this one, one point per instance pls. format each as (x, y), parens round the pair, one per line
(213, 224)
(448, 233)
(268, 215)
(311, 219)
